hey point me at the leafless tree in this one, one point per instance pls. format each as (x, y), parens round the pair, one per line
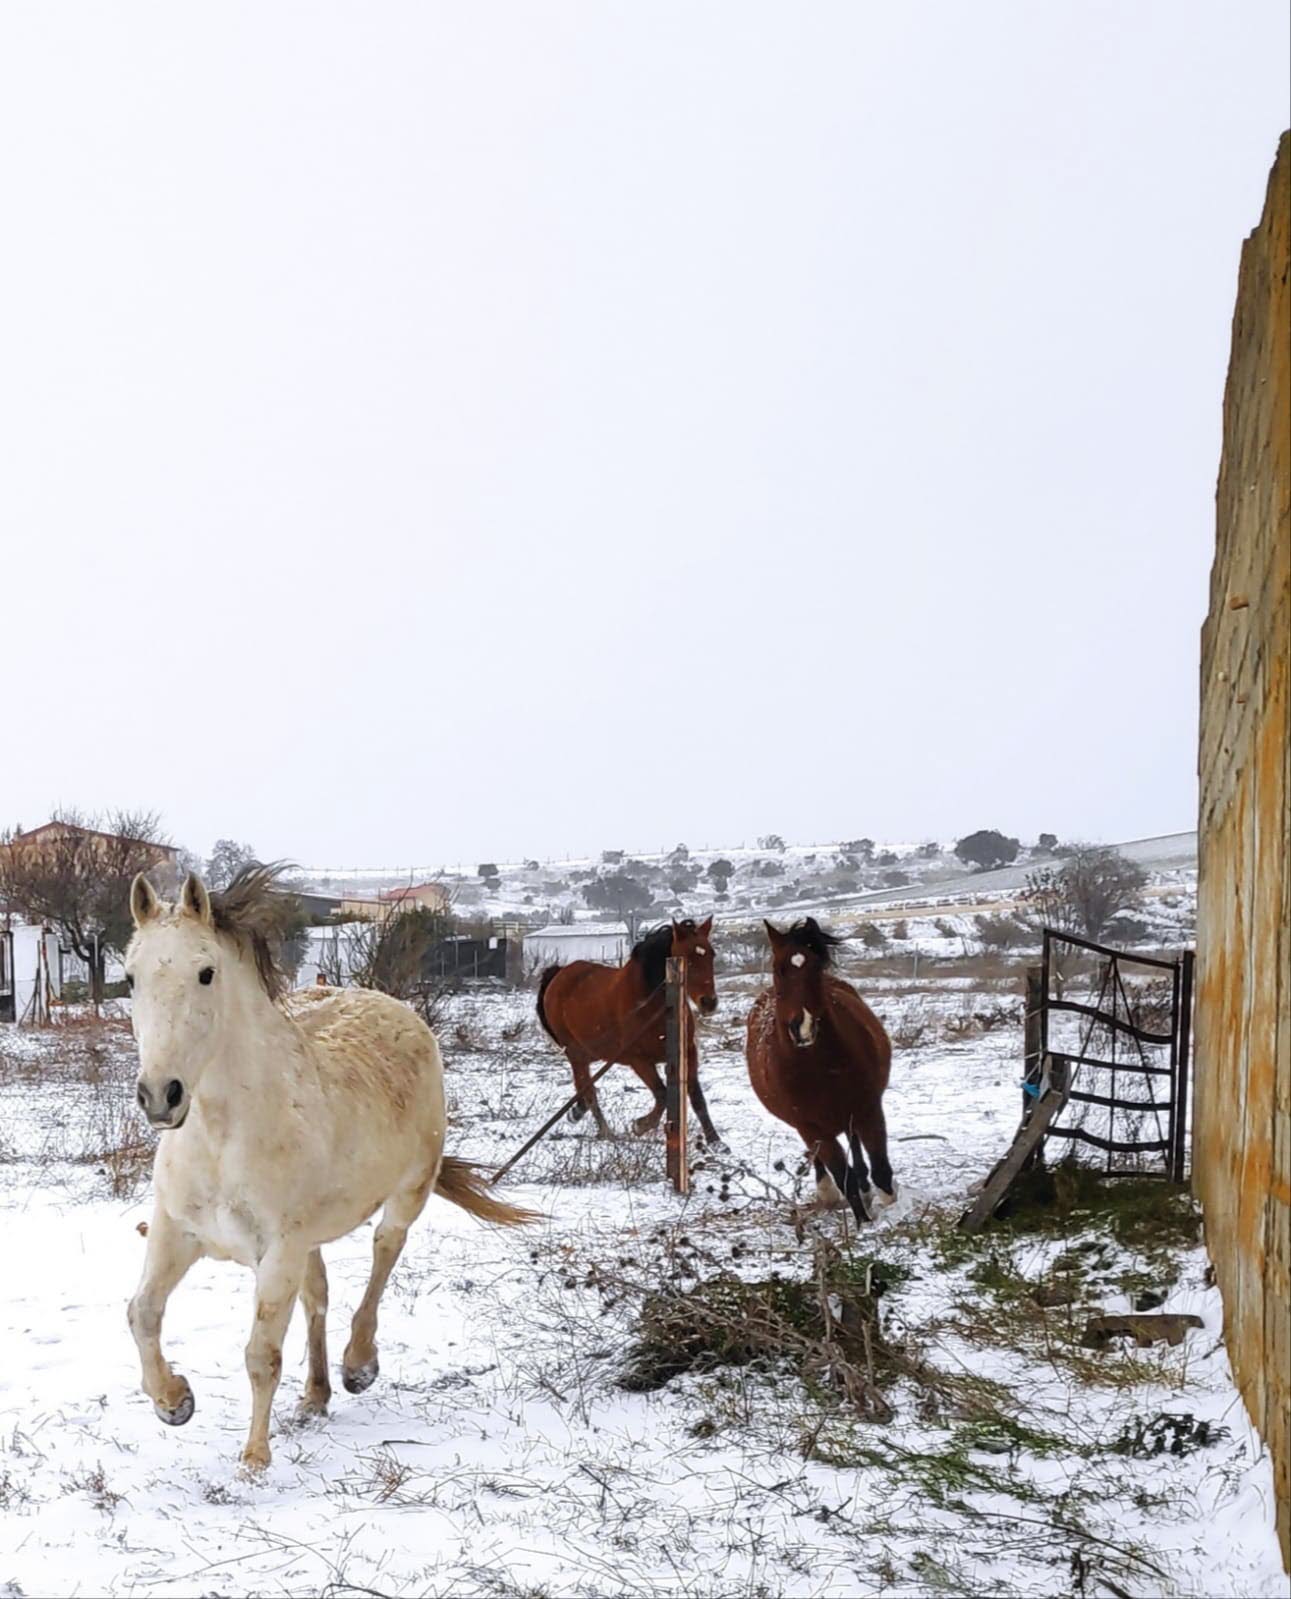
(226, 860)
(393, 956)
(77, 877)
(1094, 885)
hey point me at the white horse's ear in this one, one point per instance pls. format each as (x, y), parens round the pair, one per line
(194, 899)
(144, 903)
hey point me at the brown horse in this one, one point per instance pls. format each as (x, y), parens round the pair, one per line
(818, 1059)
(616, 1013)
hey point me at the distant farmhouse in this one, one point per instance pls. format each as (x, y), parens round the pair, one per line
(34, 961)
(419, 897)
(50, 836)
(607, 942)
(390, 902)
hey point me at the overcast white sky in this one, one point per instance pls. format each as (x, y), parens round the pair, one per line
(442, 431)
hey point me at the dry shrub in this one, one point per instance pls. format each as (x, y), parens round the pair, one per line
(583, 1161)
(824, 1325)
(913, 1029)
(95, 1484)
(1002, 932)
(120, 1141)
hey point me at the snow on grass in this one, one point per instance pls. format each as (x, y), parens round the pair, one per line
(497, 1453)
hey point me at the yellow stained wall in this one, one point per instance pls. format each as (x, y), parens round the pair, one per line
(1242, 1116)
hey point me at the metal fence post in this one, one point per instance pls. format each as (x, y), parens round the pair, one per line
(1183, 1037)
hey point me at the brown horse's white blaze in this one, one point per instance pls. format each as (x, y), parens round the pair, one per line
(286, 1122)
(819, 1059)
(616, 1014)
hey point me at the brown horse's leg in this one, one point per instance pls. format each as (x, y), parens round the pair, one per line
(873, 1131)
(586, 1089)
(852, 1181)
(648, 1072)
(698, 1103)
(828, 1195)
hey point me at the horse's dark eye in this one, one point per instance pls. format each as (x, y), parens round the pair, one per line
(205, 975)
(129, 980)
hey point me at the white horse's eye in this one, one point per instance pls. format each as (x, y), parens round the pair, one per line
(129, 980)
(205, 976)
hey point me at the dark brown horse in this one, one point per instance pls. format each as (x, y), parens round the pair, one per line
(819, 1059)
(616, 1013)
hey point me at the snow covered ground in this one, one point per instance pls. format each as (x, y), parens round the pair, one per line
(497, 1453)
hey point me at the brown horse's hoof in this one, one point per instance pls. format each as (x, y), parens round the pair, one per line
(177, 1415)
(358, 1379)
(885, 1199)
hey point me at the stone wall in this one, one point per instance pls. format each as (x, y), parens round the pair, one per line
(1242, 1117)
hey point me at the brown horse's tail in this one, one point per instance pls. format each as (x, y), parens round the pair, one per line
(460, 1184)
(542, 1012)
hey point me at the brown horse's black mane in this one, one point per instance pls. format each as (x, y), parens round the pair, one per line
(255, 911)
(653, 951)
(810, 935)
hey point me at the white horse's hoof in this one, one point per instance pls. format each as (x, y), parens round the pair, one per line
(358, 1379)
(178, 1414)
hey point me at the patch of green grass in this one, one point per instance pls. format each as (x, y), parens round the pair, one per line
(1142, 1213)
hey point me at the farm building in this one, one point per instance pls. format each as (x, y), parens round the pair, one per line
(416, 897)
(30, 971)
(52, 836)
(1242, 1120)
(608, 942)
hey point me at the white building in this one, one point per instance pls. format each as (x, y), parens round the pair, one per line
(30, 972)
(607, 942)
(333, 951)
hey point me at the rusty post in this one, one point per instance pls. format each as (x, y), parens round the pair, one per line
(677, 1044)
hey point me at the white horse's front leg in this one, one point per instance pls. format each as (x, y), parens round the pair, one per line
(278, 1280)
(171, 1251)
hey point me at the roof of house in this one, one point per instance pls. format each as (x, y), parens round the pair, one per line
(407, 892)
(91, 832)
(580, 930)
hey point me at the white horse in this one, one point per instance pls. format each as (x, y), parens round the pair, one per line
(286, 1122)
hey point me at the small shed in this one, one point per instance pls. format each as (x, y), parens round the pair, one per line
(30, 972)
(607, 942)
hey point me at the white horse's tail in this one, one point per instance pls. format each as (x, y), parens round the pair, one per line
(461, 1184)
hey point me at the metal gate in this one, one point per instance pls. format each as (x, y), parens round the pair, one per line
(1121, 1026)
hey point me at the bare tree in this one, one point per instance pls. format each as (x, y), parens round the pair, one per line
(226, 860)
(77, 876)
(1094, 885)
(393, 956)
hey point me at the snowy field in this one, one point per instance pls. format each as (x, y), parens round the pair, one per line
(498, 1453)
